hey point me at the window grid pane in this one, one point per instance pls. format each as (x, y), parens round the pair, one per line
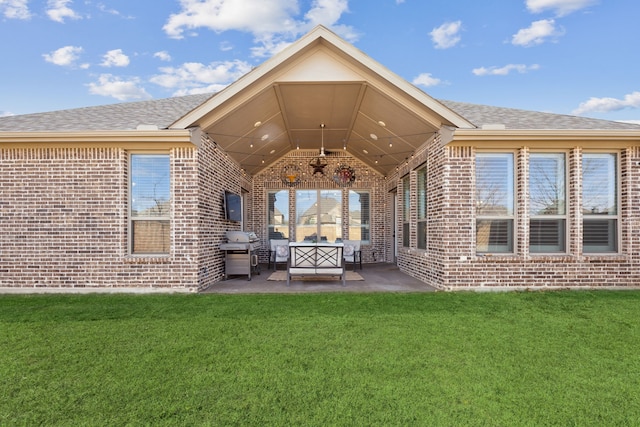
(406, 211)
(278, 212)
(422, 209)
(547, 235)
(359, 215)
(150, 237)
(599, 203)
(150, 204)
(494, 202)
(150, 195)
(547, 203)
(494, 184)
(318, 215)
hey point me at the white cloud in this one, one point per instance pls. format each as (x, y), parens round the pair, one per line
(65, 56)
(122, 90)
(103, 8)
(15, 9)
(537, 33)
(6, 114)
(195, 77)
(58, 10)
(273, 23)
(115, 58)
(266, 16)
(426, 80)
(505, 70)
(226, 46)
(560, 7)
(605, 105)
(446, 35)
(162, 56)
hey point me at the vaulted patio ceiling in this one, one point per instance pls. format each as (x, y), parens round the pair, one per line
(373, 127)
(281, 106)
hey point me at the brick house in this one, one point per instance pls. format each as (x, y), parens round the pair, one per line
(458, 195)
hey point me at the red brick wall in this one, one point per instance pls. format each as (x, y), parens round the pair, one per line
(450, 261)
(216, 173)
(63, 221)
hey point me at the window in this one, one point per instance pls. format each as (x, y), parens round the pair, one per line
(547, 203)
(359, 219)
(150, 204)
(406, 211)
(278, 212)
(494, 202)
(422, 208)
(318, 215)
(599, 203)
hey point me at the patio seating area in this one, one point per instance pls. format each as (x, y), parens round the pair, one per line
(378, 277)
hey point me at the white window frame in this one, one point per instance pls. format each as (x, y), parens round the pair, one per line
(586, 217)
(406, 211)
(422, 208)
(363, 226)
(550, 217)
(510, 218)
(283, 228)
(132, 220)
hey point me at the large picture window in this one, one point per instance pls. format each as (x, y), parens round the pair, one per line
(494, 202)
(599, 203)
(150, 204)
(406, 211)
(422, 208)
(359, 215)
(318, 215)
(547, 203)
(278, 212)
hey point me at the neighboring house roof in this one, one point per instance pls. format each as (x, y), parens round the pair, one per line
(163, 112)
(122, 116)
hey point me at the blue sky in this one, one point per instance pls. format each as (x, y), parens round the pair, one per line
(562, 56)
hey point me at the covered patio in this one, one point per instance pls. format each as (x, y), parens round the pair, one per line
(376, 277)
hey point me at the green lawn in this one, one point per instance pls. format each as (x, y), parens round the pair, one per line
(450, 359)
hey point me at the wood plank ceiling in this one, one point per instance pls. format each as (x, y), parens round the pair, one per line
(374, 127)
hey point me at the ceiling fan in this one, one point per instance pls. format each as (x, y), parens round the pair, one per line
(319, 163)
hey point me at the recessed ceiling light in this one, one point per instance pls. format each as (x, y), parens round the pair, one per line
(272, 151)
(365, 151)
(257, 124)
(381, 123)
(374, 136)
(265, 137)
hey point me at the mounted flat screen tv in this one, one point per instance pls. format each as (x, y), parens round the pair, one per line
(232, 206)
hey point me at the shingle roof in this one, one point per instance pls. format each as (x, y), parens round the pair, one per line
(163, 112)
(123, 116)
(522, 119)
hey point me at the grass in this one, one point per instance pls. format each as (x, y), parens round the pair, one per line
(504, 359)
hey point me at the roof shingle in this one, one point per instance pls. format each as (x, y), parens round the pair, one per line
(163, 112)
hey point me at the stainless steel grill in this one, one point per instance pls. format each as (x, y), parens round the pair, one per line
(241, 254)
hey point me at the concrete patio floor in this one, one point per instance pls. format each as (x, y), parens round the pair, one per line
(379, 277)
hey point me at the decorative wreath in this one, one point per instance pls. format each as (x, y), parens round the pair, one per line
(344, 175)
(290, 175)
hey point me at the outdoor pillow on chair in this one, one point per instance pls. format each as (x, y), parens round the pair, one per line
(282, 251)
(348, 250)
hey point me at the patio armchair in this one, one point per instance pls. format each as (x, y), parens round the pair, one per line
(352, 253)
(278, 252)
